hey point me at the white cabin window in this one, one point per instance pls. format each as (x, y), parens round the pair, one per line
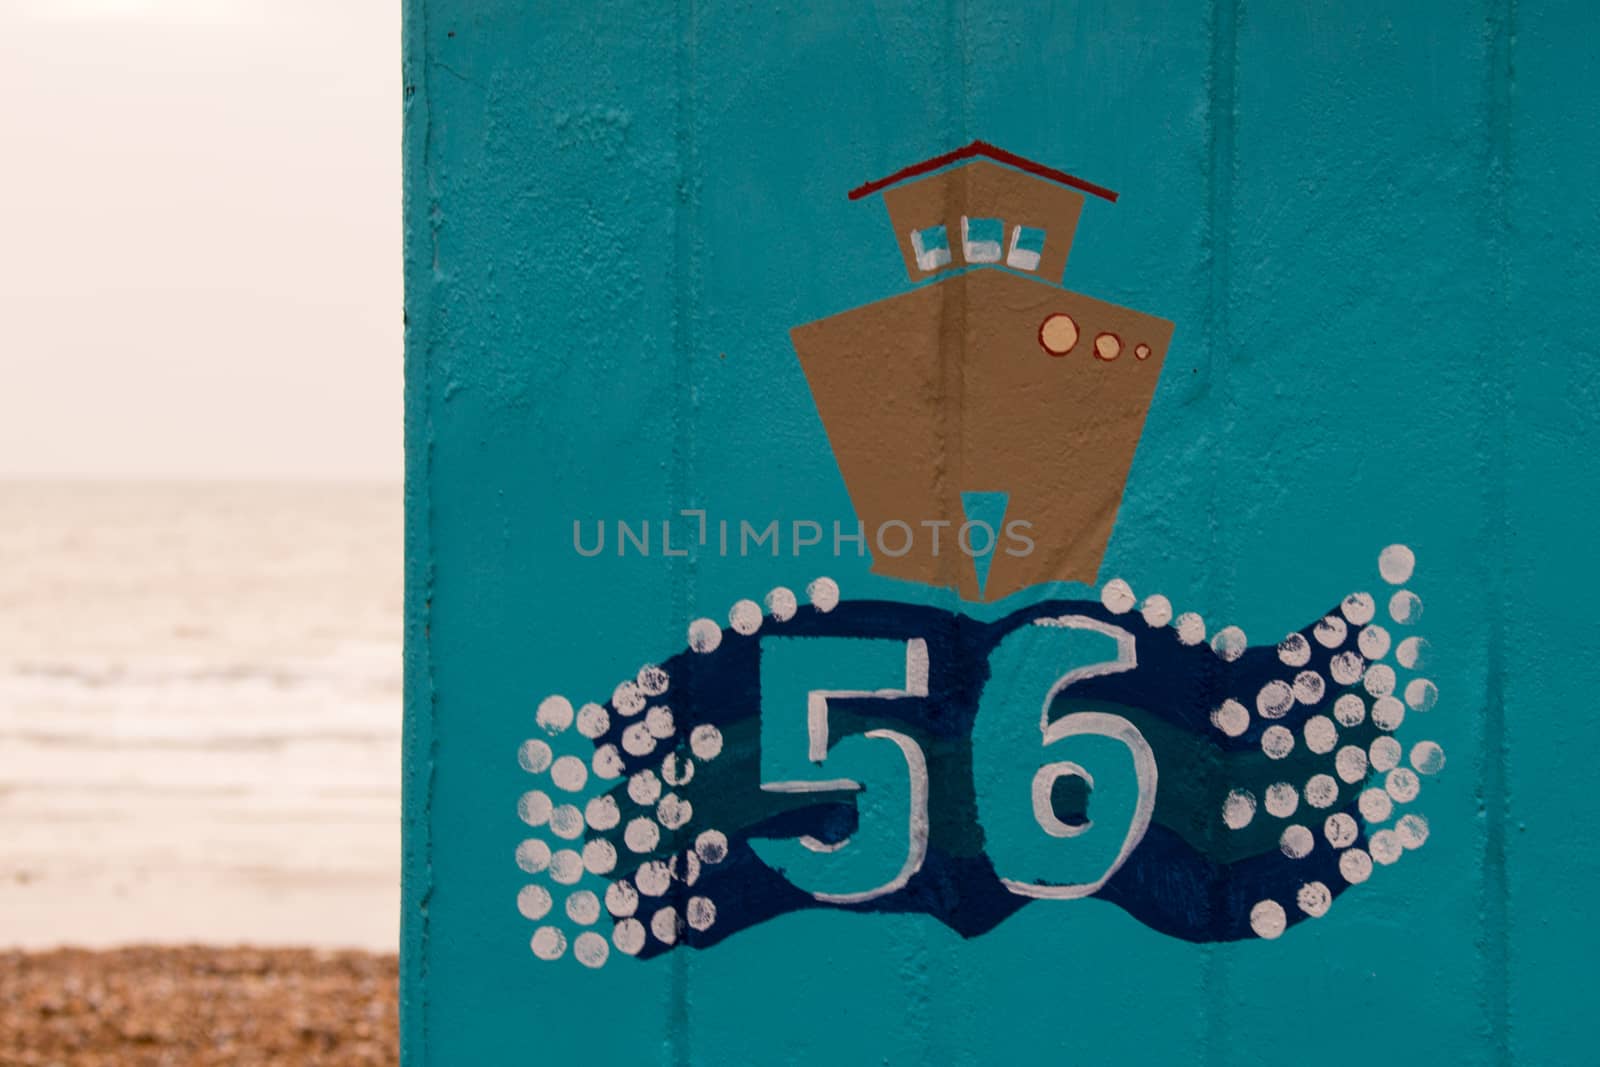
(932, 247)
(980, 239)
(1027, 246)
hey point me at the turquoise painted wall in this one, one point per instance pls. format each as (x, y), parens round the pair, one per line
(1375, 229)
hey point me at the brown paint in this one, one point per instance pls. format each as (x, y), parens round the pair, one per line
(982, 189)
(945, 390)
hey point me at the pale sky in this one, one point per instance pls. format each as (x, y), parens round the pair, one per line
(201, 268)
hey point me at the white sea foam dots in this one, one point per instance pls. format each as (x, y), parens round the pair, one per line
(1396, 563)
(535, 756)
(1117, 596)
(1191, 628)
(1238, 809)
(704, 635)
(1229, 643)
(823, 594)
(1268, 920)
(590, 949)
(554, 714)
(1297, 842)
(1231, 717)
(533, 901)
(548, 943)
(745, 617)
(782, 603)
(1314, 898)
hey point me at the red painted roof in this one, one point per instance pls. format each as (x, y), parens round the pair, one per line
(983, 148)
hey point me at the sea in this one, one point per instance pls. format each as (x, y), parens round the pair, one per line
(199, 714)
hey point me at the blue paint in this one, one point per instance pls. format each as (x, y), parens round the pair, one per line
(988, 508)
(1374, 230)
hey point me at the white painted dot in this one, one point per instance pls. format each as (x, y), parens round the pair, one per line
(1322, 791)
(1388, 713)
(1157, 611)
(554, 714)
(566, 822)
(705, 741)
(823, 594)
(1296, 842)
(548, 943)
(583, 907)
(1117, 596)
(644, 788)
(1385, 847)
(622, 899)
(628, 699)
(1351, 764)
(1238, 809)
(745, 617)
(535, 756)
(534, 902)
(569, 773)
(1191, 628)
(566, 867)
(652, 680)
(533, 855)
(1375, 806)
(1396, 563)
(602, 812)
(1314, 898)
(1373, 642)
(1412, 830)
(1309, 687)
(1379, 679)
(1350, 710)
(607, 762)
(1340, 830)
(1422, 694)
(677, 769)
(1405, 608)
(653, 878)
(1282, 799)
(590, 949)
(664, 924)
(674, 812)
(1346, 667)
(629, 936)
(1229, 643)
(1268, 920)
(534, 808)
(1232, 718)
(1402, 784)
(1294, 651)
(1385, 754)
(658, 721)
(1355, 865)
(685, 867)
(599, 856)
(1277, 742)
(1330, 632)
(711, 846)
(1427, 757)
(1274, 700)
(1412, 654)
(637, 740)
(593, 721)
(1359, 608)
(1320, 734)
(641, 835)
(704, 635)
(700, 913)
(782, 603)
